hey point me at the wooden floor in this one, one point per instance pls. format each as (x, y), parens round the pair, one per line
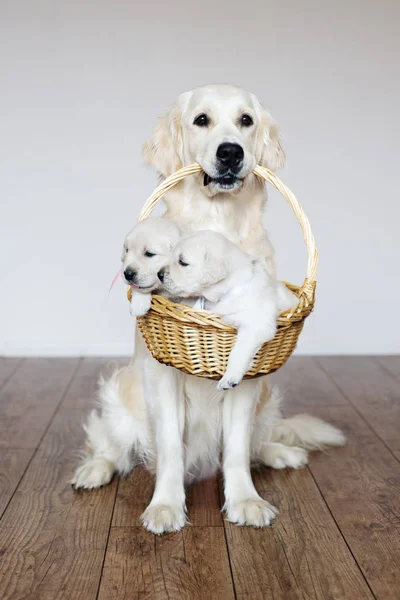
(337, 534)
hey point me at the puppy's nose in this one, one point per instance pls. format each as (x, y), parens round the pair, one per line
(230, 155)
(129, 274)
(160, 275)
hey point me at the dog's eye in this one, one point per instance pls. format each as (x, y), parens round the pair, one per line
(183, 263)
(149, 254)
(201, 120)
(126, 250)
(246, 120)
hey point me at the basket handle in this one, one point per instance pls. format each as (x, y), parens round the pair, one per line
(307, 290)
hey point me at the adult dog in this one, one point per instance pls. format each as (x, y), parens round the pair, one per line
(179, 425)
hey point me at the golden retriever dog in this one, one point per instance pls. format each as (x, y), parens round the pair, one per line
(181, 427)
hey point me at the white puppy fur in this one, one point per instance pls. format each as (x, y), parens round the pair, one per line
(147, 248)
(234, 285)
(178, 424)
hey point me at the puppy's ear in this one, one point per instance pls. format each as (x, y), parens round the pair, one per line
(271, 153)
(163, 150)
(215, 269)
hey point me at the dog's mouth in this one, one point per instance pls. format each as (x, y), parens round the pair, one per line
(141, 288)
(225, 182)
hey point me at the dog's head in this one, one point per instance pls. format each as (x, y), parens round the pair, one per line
(199, 261)
(223, 128)
(147, 249)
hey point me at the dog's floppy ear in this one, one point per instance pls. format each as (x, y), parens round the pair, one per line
(273, 156)
(163, 150)
(215, 269)
(271, 153)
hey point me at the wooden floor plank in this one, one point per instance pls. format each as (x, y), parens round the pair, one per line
(390, 363)
(13, 463)
(8, 367)
(337, 534)
(361, 485)
(52, 539)
(372, 391)
(29, 400)
(303, 554)
(360, 482)
(189, 564)
(300, 373)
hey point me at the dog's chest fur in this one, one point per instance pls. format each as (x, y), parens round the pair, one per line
(238, 217)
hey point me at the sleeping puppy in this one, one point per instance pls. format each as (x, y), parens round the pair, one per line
(147, 249)
(233, 285)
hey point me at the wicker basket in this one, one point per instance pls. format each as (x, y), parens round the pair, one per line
(197, 341)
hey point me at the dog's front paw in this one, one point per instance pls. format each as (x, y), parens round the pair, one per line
(254, 512)
(163, 518)
(93, 474)
(140, 304)
(227, 383)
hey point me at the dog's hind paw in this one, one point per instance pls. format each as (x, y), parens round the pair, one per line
(93, 474)
(279, 456)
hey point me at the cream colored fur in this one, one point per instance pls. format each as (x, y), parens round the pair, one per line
(178, 425)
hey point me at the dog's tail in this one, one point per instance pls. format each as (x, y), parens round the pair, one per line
(307, 432)
(301, 430)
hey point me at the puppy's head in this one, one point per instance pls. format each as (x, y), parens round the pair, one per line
(223, 128)
(199, 261)
(147, 249)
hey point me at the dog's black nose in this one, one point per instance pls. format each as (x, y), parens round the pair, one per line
(230, 155)
(129, 274)
(160, 275)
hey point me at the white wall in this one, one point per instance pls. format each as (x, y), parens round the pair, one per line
(81, 83)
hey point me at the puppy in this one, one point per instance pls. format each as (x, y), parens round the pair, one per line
(147, 249)
(232, 284)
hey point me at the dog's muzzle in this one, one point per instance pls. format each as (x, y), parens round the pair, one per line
(229, 161)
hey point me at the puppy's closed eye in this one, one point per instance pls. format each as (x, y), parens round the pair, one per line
(149, 254)
(183, 263)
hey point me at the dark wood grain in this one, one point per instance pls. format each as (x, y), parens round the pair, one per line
(30, 398)
(303, 554)
(337, 534)
(360, 482)
(372, 391)
(52, 539)
(181, 565)
(361, 485)
(191, 564)
(12, 466)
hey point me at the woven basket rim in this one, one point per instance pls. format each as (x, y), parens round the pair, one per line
(203, 318)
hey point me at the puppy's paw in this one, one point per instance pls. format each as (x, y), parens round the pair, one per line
(93, 474)
(163, 518)
(140, 304)
(279, 456)
(227, 383)
(253, 512)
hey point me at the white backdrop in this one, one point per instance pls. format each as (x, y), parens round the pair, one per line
(81, 83)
